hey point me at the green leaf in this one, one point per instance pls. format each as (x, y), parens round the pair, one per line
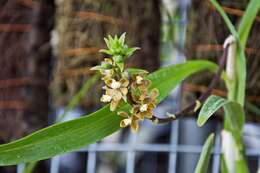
(98, 67)
(241, 166)
(247, 21)
(243, 31)
(130, 51)
(134, 71)
(109, 52)
(211, 105)
(235, 117)
(61, 138)
(202, 165)
(107, 43)
(235, 113)
(122, 39)
(241, 83)
(121, 66)
(229, 24)
(73, 135)
(167, 78)
(223, 166)
(29, 167)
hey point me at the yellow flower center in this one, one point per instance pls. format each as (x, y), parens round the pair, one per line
(144, 108)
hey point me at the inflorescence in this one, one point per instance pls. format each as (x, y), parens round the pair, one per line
(126, 85)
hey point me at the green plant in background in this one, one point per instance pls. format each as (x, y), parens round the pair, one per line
(233, 159)
(132, 94)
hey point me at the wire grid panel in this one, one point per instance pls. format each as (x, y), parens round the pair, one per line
(132, 148)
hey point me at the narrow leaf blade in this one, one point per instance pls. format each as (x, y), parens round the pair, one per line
(247, 21)
(167, 78)
(203, 163)
(223, 14)
(73, 135)
(234, 113)
(211, 105)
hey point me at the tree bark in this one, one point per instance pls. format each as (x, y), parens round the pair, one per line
(25, 68)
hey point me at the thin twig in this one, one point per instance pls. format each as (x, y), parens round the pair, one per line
(219, 47)
(17, 82)
(100, 17)
(81, 51)
(15, 27)
(13, 104)
(75, 72)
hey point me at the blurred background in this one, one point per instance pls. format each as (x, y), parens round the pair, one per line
(48, 46)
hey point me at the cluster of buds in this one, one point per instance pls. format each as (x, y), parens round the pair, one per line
(126, 85)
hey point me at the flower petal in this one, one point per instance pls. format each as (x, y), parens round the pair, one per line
(154, 93)
(147, 83)
(109, 82)
(140, 115)
(142, 96)
(135, 125)
(135, 109)
(124, 91)
(124, 82)
(113, 105)
(149, 114)
(108, 60)
(105, 98)
(123, 114)
(125, 122)
(116, 95)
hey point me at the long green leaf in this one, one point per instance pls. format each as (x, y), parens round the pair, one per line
(73, 135)
(243, 31)
(247, 21)
(223, 166)
(29, 167)
(167, 78)
(235, 113)
(211, 105)
(229, 24)
(235, 116)
(202, 165)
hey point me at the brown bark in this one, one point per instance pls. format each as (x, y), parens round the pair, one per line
(25, 67)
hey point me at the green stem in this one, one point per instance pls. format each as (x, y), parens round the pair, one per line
(29, 167)
(232, 84)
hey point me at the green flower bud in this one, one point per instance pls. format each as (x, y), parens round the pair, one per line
(118, 59)
(106, 65)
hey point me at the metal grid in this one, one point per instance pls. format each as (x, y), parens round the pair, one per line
(131, 149)
(173, 148)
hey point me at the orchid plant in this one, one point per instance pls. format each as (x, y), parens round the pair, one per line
(131, 95)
